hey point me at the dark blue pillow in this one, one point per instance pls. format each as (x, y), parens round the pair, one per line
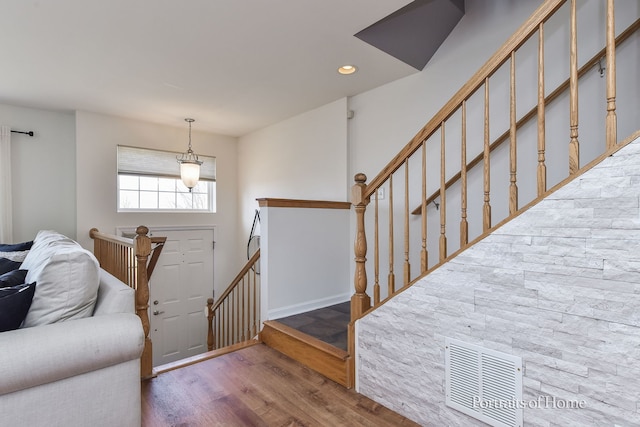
(7, 265)
(16, 247)
(12, 278)
(14, 305)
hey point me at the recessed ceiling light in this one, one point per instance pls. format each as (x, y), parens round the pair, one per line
(347, 69)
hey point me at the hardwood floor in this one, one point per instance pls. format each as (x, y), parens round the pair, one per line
(256, 386)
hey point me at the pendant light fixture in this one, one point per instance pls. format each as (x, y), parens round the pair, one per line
(189, 164)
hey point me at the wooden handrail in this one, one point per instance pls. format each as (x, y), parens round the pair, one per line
(234, 317)
(128, 259)
(622, 37)
(98, 235)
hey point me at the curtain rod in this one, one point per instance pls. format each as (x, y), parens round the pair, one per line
(30, 133)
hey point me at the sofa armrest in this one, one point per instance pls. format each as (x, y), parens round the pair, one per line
(44, 354)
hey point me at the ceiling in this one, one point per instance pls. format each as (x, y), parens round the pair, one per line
(233, 65)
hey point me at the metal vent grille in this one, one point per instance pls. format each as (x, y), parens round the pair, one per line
(483, 383)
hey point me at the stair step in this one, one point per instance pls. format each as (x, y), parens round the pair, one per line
(203, 356)
(323, 358)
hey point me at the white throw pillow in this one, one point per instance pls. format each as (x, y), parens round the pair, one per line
(66, 276)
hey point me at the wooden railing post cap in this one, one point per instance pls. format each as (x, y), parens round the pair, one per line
(92, 232)
(358, 190)
(360, 178)
(142, 230)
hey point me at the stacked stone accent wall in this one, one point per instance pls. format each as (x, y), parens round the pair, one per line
(558, 285)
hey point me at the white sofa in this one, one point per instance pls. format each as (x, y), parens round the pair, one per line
(83, 369)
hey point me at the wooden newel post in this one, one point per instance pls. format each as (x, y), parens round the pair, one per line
(142, 248)
(360, 301)
(210, 337)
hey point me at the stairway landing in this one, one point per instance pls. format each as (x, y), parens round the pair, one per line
(328, 324)
(317, 339)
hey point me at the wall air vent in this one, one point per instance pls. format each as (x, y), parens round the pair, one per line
(483, 383)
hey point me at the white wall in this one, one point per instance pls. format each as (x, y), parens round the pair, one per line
(43, 171)
(96, 139)
(305, 259)
(304, 157)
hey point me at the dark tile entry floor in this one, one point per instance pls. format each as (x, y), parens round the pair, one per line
(328, 324)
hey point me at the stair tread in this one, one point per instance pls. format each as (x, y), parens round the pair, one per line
(308, 339)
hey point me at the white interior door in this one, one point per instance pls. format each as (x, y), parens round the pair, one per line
(179, 287)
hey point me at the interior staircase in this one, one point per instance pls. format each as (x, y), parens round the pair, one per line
(338, 365)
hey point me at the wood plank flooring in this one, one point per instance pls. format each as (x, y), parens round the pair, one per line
(256, 386)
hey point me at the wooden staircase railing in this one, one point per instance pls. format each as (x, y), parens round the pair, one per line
(132, 261)
(454, 115)
(235, 317)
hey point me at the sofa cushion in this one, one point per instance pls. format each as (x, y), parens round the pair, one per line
(12, 278)
(7, 265)
(67, 278)
(14, 305)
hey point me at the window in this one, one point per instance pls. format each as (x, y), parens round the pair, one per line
(149, 180)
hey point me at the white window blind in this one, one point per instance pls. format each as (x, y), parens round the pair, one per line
(144, 161)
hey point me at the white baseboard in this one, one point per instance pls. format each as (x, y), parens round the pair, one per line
(307, 306)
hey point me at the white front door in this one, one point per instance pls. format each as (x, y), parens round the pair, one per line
(179, 287)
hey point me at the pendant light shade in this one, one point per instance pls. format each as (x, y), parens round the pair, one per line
(189, 164)
(190, 174)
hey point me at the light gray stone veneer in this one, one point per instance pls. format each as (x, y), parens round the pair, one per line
(558, 286)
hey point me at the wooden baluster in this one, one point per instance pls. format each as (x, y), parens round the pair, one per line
(407, 266)
(486, 210)
(210, 335)
(376, 256)
(126, 261)
(513, 160)
(238, 314)
(216, 328)
(424, 254)
(574, 145)
(239, 305)
(443, 200)
(248, 306)
(122, 260)
(391, 286)
(464, 225)
(143, 248)
(118, 263)
(360, 301)
(227, 321)
(256, 301)
(242, 312)
(219, 332)
(611, 121)
(234, 316)
(220, 320)
(542, 167)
